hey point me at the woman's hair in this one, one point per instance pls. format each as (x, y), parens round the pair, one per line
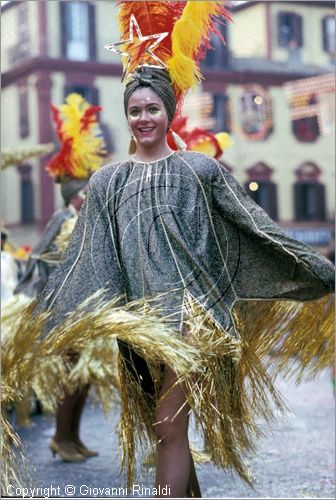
(159, 81)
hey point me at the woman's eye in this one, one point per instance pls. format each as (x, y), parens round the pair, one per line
(153, 110)
(134, 112)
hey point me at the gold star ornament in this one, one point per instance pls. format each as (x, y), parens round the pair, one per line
(138, 49)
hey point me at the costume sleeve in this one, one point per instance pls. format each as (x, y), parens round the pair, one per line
(271, 264)
(89, 263)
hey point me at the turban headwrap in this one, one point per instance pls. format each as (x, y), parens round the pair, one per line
(159, 81)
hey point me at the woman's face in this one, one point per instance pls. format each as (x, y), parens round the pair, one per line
(147, 118)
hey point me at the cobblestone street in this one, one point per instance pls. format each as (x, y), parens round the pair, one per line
(296, 460)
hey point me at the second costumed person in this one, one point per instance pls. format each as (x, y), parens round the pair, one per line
(170, 255)
(82, 152)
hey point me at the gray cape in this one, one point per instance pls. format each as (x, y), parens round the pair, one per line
(180, 225)
(37, 271)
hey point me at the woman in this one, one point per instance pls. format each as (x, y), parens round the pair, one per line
(176, 230)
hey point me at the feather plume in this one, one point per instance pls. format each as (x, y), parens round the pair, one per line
(189, 25)
(152, 17)
(82, 144)
(190, 41)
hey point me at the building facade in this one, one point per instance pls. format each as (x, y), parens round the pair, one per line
(52, 48)
(285, 160)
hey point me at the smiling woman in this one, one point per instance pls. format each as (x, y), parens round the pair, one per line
(197, 270)
(173, 234)
(150, 105)
(148, 122)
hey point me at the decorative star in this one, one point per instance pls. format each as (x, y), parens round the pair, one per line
(133, 44)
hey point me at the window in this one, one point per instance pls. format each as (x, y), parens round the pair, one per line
(328, 30)
(27, 194)
(218, 55)
(221, 113)
(20, 50)
(306, 129)
(23, 111)
(289, 30)
(255, 113)
(262, 189)
(90, 94)
(309, 194)
(78, 30)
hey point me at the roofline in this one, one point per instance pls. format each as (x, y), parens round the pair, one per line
(314, 3)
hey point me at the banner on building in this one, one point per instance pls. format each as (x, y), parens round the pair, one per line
(313, 97)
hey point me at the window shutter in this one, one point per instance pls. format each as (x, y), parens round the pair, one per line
(107, 138)
(95, 96)
(321, 212)
(298, 29)
(67, 90)
(324, 34)
(24, 112)
(273, 201)
(92, 31)
(27, 194)
(63, 27)
(299, 204)
(281, 40)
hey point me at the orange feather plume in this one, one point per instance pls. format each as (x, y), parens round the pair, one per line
(189, 26)
(153, 18)
(82, 145)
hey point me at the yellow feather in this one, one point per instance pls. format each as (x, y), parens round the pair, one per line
(189, 33)
(224, 140)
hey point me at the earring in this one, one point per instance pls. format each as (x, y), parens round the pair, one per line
(132, 146)
(180, 144)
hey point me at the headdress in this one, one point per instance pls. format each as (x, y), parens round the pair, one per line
(82, 145)
(166, 34)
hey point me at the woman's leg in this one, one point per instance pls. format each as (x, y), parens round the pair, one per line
(193, 489)
(174, 463)
(80, 396)
(63, 436)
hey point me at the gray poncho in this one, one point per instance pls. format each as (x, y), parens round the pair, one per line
(181, 235)
(181, 226)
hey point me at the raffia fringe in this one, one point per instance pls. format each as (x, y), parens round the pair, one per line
(229, 382)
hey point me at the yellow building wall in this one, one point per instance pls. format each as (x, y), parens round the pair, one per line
(10, 138)
(10, 212)
(107, 31)
(312, 50)
(9, 25)
(54, 29)
(248, 33)
(111, 97)
(281, 151)
(33, 26)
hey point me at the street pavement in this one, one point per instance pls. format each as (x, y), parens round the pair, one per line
(296, 460)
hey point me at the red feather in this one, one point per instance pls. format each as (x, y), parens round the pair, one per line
(89, 117)
(152, 17)
(193, 137)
